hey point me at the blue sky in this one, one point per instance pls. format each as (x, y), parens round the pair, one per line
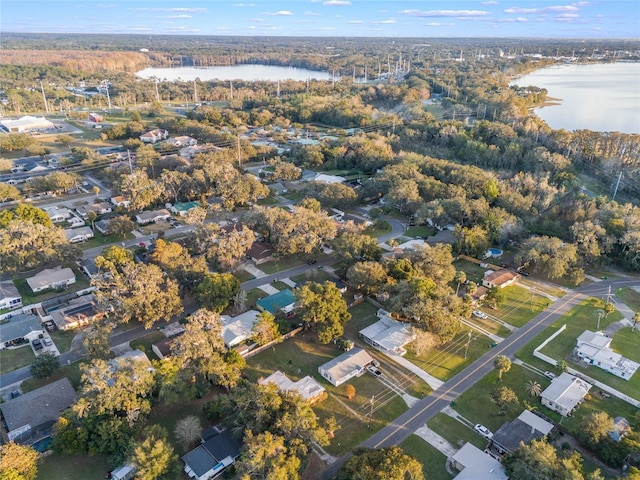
(357, 18)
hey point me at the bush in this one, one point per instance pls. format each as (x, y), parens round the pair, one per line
(45, 365)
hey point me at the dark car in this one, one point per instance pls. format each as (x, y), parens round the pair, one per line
(37, 344)
(312, 262)
(15, 394)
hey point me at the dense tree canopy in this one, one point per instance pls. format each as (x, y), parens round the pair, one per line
(377, 464)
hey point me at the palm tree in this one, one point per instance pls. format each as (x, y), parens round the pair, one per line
(533, 388)
(460, 278)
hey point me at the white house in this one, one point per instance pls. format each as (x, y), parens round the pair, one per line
(51, 278)
(236, 330)
(324, 178)
(565, 393)
(348, 365)
(474, 464)
(307, 387)
(76, 235)
(594, 349)
(120, 201)
(499, 279)
(26, 124)
(388, 335)
(99, 208)
(182, 141)
(58, 215)
(154, 136)
(9, 296)
(154, 216)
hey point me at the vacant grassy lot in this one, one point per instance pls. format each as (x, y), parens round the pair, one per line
(66, 467)
(474, 272)
(475, 404)
(317, 275)
(519, 306)
(420, 232)
(455, 432)
(433, 461)
(275, 266)
(630, 297)
(446, 360)
(62, 340)
(13, 358)
(490, 325)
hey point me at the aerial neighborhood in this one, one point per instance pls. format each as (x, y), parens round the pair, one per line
(398, 271)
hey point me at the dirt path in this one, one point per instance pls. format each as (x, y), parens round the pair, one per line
(575, 445)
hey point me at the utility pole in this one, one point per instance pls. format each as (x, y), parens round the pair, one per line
(157, 93)
(109, 97)
(466, 350)
(371, 410)
(239, 152)
(615, 192)
(46, 104)
(129, 157)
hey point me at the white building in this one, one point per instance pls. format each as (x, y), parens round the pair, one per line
(474, 464)
(594, 348)
(154, 216)
(26, 124)
(564, 394)
(58, 215)
(236, 330)
(388, 335)
(51, 278)
(76, 235)
(348, 365)
(9, 296)
(307, 387)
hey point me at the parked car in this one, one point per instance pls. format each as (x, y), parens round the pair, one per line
(50, 326)
(479, 314)
(549, 375)
(47, 341)
(312, 262)
(483, 431)
(37, 344)
(374, 371)
(15, 393)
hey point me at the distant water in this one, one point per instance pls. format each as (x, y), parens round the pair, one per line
(236, 72)
(598, 97)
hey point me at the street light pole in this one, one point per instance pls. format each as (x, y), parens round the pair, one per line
(466, 350)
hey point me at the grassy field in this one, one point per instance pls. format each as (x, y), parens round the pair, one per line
(474, 271)
(420, 232)
(446, 360)
(490, 325)
(62, 340)
(144, 343)
(362, 315)
(475, 404)
(455, 432)
(14, 358)
(65, 467)
(433, 461)
(100, 240)
(625, 342)
(243, 275)
(280, 285)
(630, 297)
(518, 307)
(72, 372)
(314, 275)
(253, 296)
(284, 263)
(377, 229)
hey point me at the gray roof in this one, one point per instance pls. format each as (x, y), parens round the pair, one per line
(346, 363)
(40, 406)
(566, 390)
(49, 277)
(199, 460)
(509, 435)
(212, 452)
(9, 290)
(19, 326)
(478, 465)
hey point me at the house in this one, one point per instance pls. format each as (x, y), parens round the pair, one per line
(77, 313)
(155, 216)
(162, 348)
(126, 472)
(594, 349)
(182, 141)
(474, 464)
(236, 330)
(58, 278)
(76, 235)
(212, 457)
(388, 335)
(324, 178)
(283, 300)
(307, 387)
(526, 428)
(21, 326)
(95, 117)
(411, 244)
(103, 227)
(58, 215)
(120, 201)
(188, 153)
(88, 266)
(479, 294)
(182, 208)
(9, 296)
(26, 124)
(30, 417)
(99, 208)
(564, 394)
(357, 220)
(154, 136)
(621, 427)
(348, 365)
(499, 279)
(340, 285)
(260, 252)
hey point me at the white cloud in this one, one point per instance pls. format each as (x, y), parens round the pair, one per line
(552, 9)
(512, 20)
(383, 22)
(174, 16)
(336, 3)
(175, 9)
(438, 24)
(445, 13)
(490, 2)
(328, 28)
(281, 13)
(312, 14)
(355, 22)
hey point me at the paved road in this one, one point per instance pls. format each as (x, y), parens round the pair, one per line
(425, 409)
(397, 229)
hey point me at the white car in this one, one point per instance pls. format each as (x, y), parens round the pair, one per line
(47, 341)
(483, 431)
(479, 314)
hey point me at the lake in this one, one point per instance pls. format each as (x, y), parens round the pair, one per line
(236, 72)
(597, 97)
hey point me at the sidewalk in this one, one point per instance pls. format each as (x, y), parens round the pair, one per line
(253, 270)
(436, 441)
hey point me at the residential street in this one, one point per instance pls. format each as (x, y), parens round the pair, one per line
(428, 407)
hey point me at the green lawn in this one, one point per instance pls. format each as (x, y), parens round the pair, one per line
(362, 315)
(491, 326)
(420, 232)
(66, 467)
(377, 229)
(144, 343)
(519, 307)
(630, 297)
(474, 271)
(625, 342)
(29, 298)
(455, 432)
(14, 358)
(432, 460)
(284, 263)
(280, 285)
(475, 404)
(317, 275)
(62, 340)
(100, 240)
(243, 275)
(253, 296)
(446, 360)
(72, 372)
